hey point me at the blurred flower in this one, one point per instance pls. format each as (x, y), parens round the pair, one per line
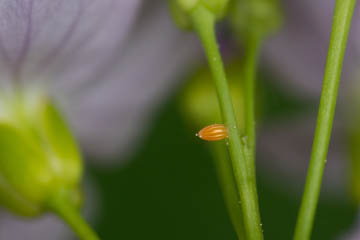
(297, 54)
(97, 59)
(62, 44)
(108, 64)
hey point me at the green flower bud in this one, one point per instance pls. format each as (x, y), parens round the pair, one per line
(182, 9)
(199, 102)
(39, 158)
(255, 17)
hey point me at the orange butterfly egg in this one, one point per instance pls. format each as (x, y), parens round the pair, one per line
(213, 132)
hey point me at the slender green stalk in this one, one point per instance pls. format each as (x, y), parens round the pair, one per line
(228, 186)
(250, 66)
(204, 23)
(341, 24)
(72, 217)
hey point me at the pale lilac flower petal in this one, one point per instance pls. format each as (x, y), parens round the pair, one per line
(285, 149)
(48, 227)
(111, 114)
(61, 40)
(298, 53)
(107, 80)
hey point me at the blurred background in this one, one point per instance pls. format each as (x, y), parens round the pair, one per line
(126, 94)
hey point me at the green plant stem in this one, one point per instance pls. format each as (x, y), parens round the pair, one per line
(72, 217)
(228, 186)
(204, 23)
(250, 67)
(341, 24)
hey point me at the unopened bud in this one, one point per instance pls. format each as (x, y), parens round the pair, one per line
(182, 10)
(38, 154)
(255, 17)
